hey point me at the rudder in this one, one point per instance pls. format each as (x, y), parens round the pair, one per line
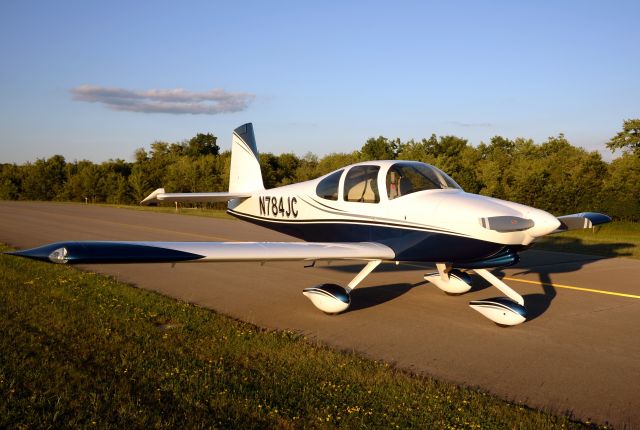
(245, 174)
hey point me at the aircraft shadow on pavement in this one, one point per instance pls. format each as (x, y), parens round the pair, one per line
(367, 297)
(544, 266)
(560, 243)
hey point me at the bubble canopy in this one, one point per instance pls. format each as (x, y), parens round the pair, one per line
(366, 182)
(408, 177)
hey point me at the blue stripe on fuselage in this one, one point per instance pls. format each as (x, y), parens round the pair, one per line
(408, 244)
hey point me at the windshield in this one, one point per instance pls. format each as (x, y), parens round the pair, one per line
(328, 187)
(408, 177)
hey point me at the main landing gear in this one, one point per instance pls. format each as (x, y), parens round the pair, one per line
(332, 298)
(504, 311)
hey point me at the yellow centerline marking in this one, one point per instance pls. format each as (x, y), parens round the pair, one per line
(569, 287)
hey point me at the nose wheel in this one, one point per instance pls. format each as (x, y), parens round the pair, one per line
(501, 310)
(504, 311)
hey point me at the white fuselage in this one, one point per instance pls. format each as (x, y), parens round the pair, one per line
(299, 208)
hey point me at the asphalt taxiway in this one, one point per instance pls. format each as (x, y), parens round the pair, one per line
(579, 352)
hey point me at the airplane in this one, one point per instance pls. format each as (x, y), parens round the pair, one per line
(372, 212)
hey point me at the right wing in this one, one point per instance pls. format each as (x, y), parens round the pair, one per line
(159, 195)
(99, 252)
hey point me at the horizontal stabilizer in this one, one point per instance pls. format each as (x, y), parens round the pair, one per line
(90, 252)
(581, 221)
(159, 196)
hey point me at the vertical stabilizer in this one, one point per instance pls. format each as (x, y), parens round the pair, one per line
(245, 175)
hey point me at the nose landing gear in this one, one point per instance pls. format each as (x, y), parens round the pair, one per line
(504, 311)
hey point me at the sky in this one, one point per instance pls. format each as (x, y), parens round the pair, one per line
(96, 80)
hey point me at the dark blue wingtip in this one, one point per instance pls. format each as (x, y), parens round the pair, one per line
(105, 253)
(40, 253)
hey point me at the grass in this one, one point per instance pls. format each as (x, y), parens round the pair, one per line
(82, 350)
(617, 239)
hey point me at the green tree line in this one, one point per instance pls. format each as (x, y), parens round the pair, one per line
(552, 175)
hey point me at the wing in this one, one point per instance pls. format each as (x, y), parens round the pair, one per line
(581, 220)
(159, 195)
(86, 252)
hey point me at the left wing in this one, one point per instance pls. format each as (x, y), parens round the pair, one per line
(86, 252)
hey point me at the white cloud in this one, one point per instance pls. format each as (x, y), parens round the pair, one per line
(173, 101)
